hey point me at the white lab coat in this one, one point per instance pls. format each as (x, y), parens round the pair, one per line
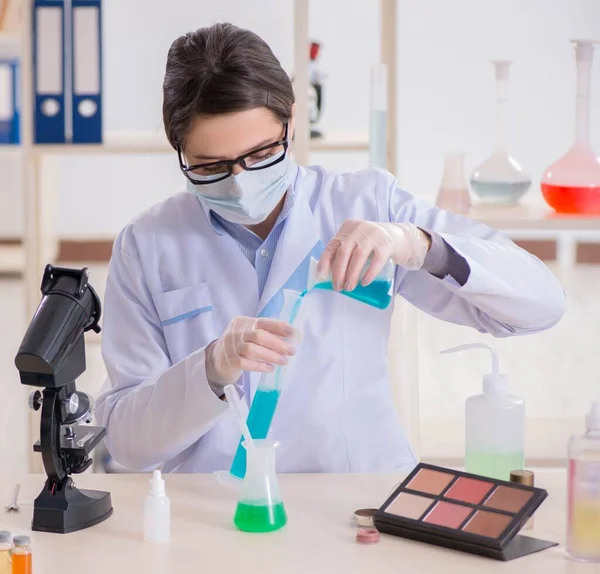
(175, 284)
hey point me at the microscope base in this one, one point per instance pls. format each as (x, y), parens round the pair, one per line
(70, 509)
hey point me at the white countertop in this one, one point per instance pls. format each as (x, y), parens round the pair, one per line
(319, 536)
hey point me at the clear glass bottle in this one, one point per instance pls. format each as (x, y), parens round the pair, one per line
(453, 194)
(494, 425)
(583, 518)
(21, 555)
(5, 549)
(572, 184)
(260, 506)
(500, 179)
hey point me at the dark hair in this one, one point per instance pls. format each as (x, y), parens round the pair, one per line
(217, 70)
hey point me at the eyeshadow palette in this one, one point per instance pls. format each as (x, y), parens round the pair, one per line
(463, 511)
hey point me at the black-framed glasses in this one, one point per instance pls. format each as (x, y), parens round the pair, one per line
(260, 158)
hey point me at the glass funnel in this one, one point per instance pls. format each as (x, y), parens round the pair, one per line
(572, 184)
(500, 179)
(260, 507)
(453, 194)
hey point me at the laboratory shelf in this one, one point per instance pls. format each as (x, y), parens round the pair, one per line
(341, 141)
(533, 218)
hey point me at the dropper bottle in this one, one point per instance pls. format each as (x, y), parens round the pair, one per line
(494, 424)
(157, 511)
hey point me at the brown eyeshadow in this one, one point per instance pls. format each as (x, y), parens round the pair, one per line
(508, 499)
(488, 524)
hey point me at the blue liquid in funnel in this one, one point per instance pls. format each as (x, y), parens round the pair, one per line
(262, 409)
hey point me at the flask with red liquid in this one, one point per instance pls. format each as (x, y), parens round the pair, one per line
(572, 184)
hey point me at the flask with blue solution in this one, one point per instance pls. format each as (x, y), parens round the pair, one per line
(378, 293)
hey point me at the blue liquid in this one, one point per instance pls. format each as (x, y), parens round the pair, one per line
(500, 191)
(259, 422)
(377, 294)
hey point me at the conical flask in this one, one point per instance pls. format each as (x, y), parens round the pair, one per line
(453, 194)
(572, 184)
(500, 179)
(260, 507)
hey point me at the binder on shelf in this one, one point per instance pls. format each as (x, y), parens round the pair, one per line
(9, 102)
(49, 71)
(86, 49)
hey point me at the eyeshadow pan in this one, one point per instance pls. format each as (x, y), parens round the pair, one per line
(430, 481)
(409, 505)
(469, 490)
(448, 514)
(488, 524)
(508, 499)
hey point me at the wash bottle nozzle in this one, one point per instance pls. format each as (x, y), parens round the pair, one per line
(492, 382)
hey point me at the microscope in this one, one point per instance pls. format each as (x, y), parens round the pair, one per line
(52, 356)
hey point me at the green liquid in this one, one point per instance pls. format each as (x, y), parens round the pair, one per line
(259, 517)
(494, 465)
(376, 294)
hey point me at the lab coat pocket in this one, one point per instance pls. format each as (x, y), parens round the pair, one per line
(186, 317)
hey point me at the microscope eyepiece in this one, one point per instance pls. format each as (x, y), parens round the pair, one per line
(68, 308)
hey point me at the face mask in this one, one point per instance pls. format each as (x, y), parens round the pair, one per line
(249, 197)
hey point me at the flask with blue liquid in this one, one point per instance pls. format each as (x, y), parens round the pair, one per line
(378, 293)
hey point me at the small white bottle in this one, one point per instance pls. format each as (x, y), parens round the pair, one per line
(494, 425)
(157, 511)
(583, 514)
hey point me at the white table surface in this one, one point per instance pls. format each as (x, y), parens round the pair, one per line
(319, 536)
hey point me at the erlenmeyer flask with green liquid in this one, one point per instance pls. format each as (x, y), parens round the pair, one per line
(260, 507)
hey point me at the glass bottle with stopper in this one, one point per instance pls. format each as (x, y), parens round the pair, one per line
(572, 184)
(500, 179)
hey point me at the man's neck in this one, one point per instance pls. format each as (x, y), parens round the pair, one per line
(264, 228)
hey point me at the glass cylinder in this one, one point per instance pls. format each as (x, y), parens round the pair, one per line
(572, 184)
(500, 179)
(453, 194)
(378, 120)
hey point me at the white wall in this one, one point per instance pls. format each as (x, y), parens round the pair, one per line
(445, 90)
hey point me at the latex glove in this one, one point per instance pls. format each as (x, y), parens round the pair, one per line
(346, 254)
(249, 344)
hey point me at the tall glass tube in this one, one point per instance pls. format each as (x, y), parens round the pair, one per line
(378, 120)
(500, 179)
(572, 184)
